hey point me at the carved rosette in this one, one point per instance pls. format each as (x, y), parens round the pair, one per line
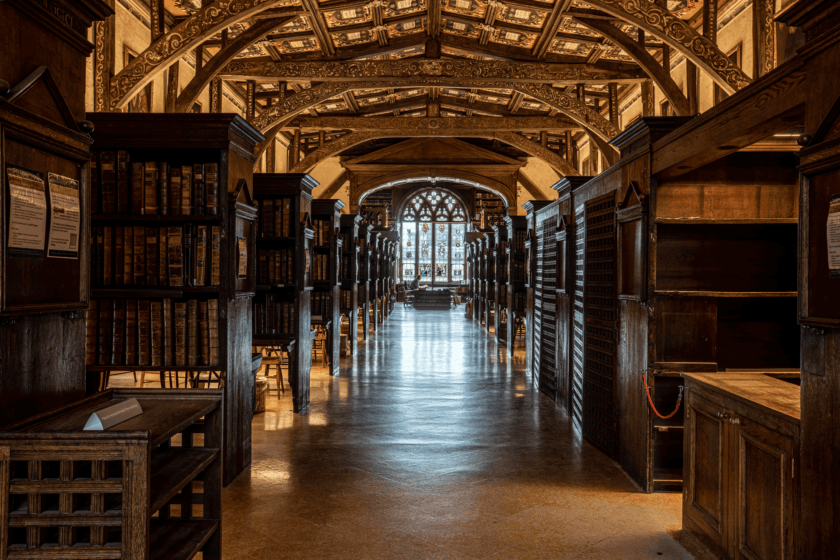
(677, 33)
(188, 34)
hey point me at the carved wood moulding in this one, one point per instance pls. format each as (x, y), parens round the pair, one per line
(442, 124)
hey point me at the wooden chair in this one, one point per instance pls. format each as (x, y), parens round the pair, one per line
(274, 358)
(319, 342)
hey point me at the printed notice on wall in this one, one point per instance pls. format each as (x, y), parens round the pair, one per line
(833, 237)
(242, 269)
(27, 212)
(64, 218)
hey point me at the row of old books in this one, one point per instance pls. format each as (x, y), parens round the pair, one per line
(275, 218)
(276, 266)
(346, 299)
(155, 333)
(519, 240)
(188, 255)
(322, 232)
(346, 269)
(320, 267)
(319, 304)
(121, 186)
(518, 270)
(274, 316)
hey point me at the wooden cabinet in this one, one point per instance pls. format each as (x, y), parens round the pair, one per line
(740, 493)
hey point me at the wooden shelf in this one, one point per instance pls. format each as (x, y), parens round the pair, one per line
(152, 291)
(692, 293)
(276, 239)
(173, 469)
(711, 221)
(179, 540)
(156, 219)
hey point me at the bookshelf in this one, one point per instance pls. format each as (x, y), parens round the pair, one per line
(488, 279)
(282, 312)
(328, 248)
(388, 244)
(473, 254)
(148, 488)
(349, 295)
(374, 288)
(489, 208)
(500, 316)
(377, 207)
(364, 288)
(515, 276)
(172, 256)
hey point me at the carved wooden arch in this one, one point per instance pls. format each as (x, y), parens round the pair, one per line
(354, 138)
(184, 37)
(457, 176)
(669, 28)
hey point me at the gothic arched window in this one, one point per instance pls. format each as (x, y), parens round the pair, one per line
(433, 224)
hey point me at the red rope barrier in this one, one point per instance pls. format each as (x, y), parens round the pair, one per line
(647, 391)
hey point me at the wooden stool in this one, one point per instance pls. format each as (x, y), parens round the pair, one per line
(261, 388)
(275, 361)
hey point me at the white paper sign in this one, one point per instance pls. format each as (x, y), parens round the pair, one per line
(27, 211)
(113, 415)
(833, 237)
(64, 218)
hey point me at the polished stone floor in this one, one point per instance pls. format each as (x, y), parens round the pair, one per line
(432, 444)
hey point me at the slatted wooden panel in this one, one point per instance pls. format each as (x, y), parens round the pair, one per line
(546, 225)
(577, 316)
(600, 314)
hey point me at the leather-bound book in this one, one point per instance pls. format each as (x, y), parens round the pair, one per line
(213, 325)
(262, 266)
(271, 266)
(267, 219)
(181, 333)
(175, 190)
(200, 257)
(107, 255)
(106, 311)
(186, 190)
(95, 187)
(91, 328)
(150, 189)
(138, 177)
(198, 189)
(278, 218)
(98, 239)
(144, 332)
(163, 189)
(128, 255)
(123, 181)
(211, 187)
(131, 332)
(192, 333)
(166, 333)
(286, 214)
(151, 256)
(118, 333)
(175, 255)
(108, 181)
(139, 256)
(163, 264)
(215, 256)
(204, 334)
(119, 256)
(157, 333)
(189, 250)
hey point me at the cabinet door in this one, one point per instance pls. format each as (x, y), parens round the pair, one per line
(706, 476)
(766, 499)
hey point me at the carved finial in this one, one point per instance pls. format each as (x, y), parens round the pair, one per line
(804, 139)
(4, 88)
(86, 127)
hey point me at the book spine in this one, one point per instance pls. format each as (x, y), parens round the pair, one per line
(140, 257)
(95, 188)
(213, 325)
(181, 334)
(118, 333)
(157, 333)
(287, 217)
(186, 190)
(163, 264)
(189, 250)
(175, 256)
(119, 255)
(175, 190)
(91, 328)
(108, 180)
(143, 332)
(198, 190)
(128, 255)
(138, 178)
(100, 255)
(166, 332)
(151, 256)
(200, 269)
(262, 260)
(106, 310)
(204, 333)
(215, 257)
(163, 188)
(272, 267)
(131, 332)
(123, 180)
(211, 187)
(150, 189)
(107, 256)
(278, 218)
(267, 215)
(192, 326)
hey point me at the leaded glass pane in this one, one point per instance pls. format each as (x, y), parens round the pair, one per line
(408, 235)
(424, 251)
(458, 254)
(441, 252)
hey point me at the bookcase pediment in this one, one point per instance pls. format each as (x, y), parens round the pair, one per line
(39, 94)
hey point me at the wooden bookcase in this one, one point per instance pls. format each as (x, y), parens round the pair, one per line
(349, 295)
(170, 285)
(492, 205)
(148, 488)
(500, 256)
(488, 279)
(365, 298)
(282, 305)
(326, 221)
(532, 335)
(374, 286)
(516, 273)
(473, 272)
(388, 257)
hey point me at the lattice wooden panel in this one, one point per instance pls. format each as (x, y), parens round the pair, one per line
(577, 317)
(599, 421)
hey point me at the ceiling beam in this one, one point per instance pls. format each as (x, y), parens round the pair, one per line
(450, 125)
(319, 26)
(552, 25)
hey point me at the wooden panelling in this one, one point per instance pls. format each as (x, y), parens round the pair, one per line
(686, 329)
(631, 400)
(632, 258)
